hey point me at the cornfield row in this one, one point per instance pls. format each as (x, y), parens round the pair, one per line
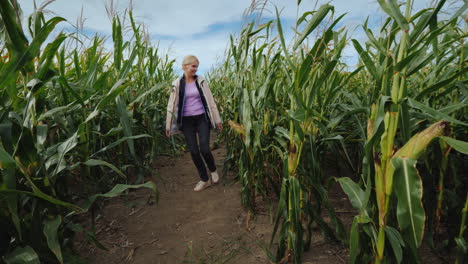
(396, 123)
(71, 121)
(396, 126)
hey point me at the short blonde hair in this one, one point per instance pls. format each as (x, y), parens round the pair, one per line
(189, 59)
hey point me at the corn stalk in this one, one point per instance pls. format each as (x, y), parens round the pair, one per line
(67, 118)
(398, 58)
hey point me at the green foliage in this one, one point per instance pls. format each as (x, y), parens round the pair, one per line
(70, 120)
(292, 106)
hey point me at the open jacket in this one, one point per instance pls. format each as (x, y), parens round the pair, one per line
(177, 99)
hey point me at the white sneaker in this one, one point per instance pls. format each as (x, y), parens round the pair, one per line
(214, 177)
(201, 185)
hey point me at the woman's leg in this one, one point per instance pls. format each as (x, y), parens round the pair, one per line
(204, 139)
(190, 132)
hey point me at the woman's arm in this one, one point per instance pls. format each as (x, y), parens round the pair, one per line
(212, 105)
(170, 108)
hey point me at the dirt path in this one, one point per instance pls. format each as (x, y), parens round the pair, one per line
(184, 226)
(187, 226)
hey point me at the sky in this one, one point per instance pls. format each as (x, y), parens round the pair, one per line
(203, 27)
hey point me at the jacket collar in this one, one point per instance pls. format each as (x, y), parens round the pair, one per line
(198, 79)
(183, 77)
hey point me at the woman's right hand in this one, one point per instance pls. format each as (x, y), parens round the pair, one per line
(168, 132)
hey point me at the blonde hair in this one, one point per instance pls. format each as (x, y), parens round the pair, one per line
(189, 59)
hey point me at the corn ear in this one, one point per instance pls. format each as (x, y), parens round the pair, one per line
(370, 122)
(414, 148)
(419, 142)
(239, 129)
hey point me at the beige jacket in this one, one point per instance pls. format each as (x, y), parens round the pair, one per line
(173, 107)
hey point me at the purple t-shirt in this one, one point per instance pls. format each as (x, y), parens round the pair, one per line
(193, 104)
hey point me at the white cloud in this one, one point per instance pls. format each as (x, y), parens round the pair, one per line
(186, 26)
(171, 18)
(208, 49)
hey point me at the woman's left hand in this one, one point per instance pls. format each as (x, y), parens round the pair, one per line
(220, 126)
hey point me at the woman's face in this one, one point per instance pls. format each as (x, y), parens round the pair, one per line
(190, 69)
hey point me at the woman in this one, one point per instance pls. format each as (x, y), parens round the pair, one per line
(192, 110)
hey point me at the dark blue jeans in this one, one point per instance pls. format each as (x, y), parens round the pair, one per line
(191, 126)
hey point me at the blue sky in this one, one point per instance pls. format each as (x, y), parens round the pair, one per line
(203, 27)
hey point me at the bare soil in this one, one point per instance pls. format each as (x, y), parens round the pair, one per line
(189, 227)
(200, 227)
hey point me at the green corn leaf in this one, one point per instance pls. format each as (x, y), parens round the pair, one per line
(462, 250)
(116, 191)
(13, 67)
(63, 149)
(94, 162)
(354, 246)
(320, 45)
(298, 132)
(408, 189)
(424, 20)
(64, 82)
(434, 114)
(423, 62)
(316, 19)
(6, 136)
(392, 9)
(51, 228)
(76, 62)
(61, 57)
(452, 108)
(282, 208)
(335, 121)
(20, 255)
(145, 95)
(458, 145)
(35, 21)
(6, 161)
(282, 132)
(433, 88)
(41, 135)
(461, 85)
(303, 17)
(116, 89)
(304, 70)
(409, 59)
(15, 33)
(9, 181)
(372, 38)
(48, 54)
(281, 36)
(52, 112)
(343, 147)
(118, 142)
(355, 194)
(396, 241)
(246, 117)
(128, 64)
(294, 214)
(327, 72)
(39, 194)
(117, 38)
(368, 62)
(260, 28)
(299, 115)
(54, 159)
(126, 122)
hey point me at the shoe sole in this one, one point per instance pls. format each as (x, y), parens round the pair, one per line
(202, 188)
